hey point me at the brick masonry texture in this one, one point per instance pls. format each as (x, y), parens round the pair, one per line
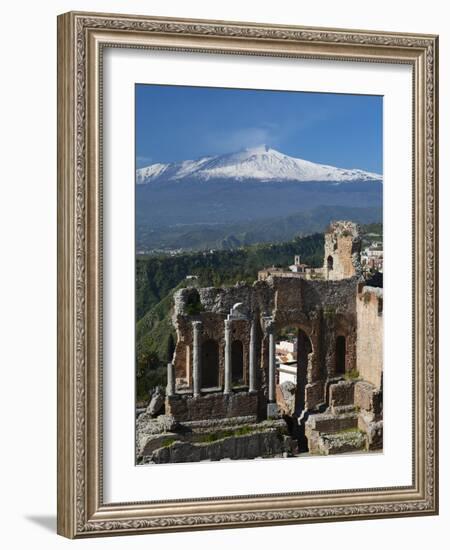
(212, 406)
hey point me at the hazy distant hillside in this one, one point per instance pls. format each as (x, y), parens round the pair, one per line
(223, 236)
(161, 205)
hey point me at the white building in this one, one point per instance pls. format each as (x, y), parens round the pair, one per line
(298, 267)
(372, 256)
(285, 346)
(287, 372)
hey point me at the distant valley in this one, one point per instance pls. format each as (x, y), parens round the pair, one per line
(228, 236)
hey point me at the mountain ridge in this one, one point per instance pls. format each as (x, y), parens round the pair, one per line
(260, 163)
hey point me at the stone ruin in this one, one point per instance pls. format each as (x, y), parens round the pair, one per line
(222, 397)
(342, 257)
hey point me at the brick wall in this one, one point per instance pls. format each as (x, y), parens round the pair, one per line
(186, 407)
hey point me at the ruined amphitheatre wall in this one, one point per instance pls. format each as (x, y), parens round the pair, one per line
(369, 349)
(323, 309)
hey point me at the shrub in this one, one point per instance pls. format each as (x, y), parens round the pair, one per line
(352, 374)
(168, 442)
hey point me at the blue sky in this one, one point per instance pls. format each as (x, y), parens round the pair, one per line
(183, 122)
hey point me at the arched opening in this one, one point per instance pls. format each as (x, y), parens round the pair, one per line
(304, 348)
(237, 362)
(193, 303)
(340, 355)
(210, 364)
(294, 349)
(330, 263)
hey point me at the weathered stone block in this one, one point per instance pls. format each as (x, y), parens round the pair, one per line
(272, 410)
(375, 436)
(313, 395)
(156, 442)
(368, 397)
(331, 444)
(329, 423)
(156, 402)
(342, 393)
(265, 443)
(210, 406)
(365, 418)
(219, 423)
(286, 397)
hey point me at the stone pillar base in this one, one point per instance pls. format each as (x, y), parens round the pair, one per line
(272, 411)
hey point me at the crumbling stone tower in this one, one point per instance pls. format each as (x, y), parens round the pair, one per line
(342, 251)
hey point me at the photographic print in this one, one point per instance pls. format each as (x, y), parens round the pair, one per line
(259, 274)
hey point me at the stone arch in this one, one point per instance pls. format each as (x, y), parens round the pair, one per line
(305, 351)
(237, 362)
(340, 355)
(330, 262)
(210, 364)
(303, 336)
(193, 304)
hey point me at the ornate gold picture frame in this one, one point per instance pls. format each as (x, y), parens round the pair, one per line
(82, 40)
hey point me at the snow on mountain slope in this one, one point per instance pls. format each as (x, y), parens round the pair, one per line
(258, 163)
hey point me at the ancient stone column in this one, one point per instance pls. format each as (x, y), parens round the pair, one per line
(196, 357)
(227, 375)
(170, 390)
(272, 361)
(251, 359)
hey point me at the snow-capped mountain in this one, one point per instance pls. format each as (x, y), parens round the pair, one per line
(259, 163)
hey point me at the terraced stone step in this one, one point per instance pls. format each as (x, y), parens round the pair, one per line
(343, 442)
(340, 442)
(343, 409)
(267, 442)
(328, 422)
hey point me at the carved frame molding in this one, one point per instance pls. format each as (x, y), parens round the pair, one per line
(81, 37)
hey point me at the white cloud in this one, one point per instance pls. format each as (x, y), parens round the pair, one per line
(143, 161)
(241, 138)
